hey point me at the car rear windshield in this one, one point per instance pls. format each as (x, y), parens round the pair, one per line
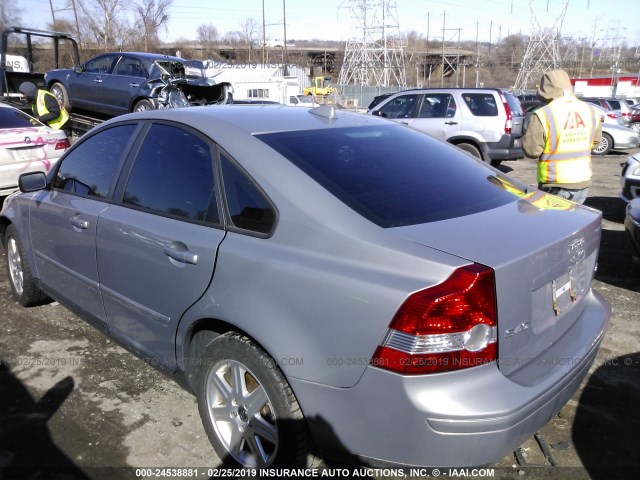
(13, 118)
(514, 104)
(392, 175)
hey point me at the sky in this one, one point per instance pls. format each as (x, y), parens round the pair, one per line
(330, 19)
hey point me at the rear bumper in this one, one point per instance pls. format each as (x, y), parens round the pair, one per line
(466, 418)
(507, 148)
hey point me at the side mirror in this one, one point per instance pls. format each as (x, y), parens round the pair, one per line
(379, 113)
(78, 69)
(32, 182)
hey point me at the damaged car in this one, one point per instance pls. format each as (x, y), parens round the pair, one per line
(123, 82)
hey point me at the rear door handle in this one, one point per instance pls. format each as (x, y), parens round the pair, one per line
(97, 80)
(78, 222)
(179, 252)
(134, 84)
(450, 123)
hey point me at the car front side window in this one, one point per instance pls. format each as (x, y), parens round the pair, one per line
(400, 107)
(100, 64)
(90, 169)
(173, 175)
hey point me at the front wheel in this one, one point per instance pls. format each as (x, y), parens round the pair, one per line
(247, 407)
(23, 286)
(605, 145)
(60, 93)
(143, 105)
(635, 126)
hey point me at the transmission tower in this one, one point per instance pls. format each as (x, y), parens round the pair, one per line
(543, 53)
(373, 53)
(606, 52)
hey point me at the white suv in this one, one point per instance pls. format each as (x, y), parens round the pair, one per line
(485, 122)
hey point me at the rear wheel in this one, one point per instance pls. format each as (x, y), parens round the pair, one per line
(247, 407)
(605, 145)
(467, 147)
(23, 285)
(60, 93)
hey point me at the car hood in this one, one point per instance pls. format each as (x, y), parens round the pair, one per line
(533, 244)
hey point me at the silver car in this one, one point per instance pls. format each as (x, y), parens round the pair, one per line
(318, 277)
(630, 178)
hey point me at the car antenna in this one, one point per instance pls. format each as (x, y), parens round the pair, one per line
(326, 111)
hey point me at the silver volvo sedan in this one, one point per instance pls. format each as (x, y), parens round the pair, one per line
(322, 281)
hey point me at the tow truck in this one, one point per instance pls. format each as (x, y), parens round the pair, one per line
(11, 77)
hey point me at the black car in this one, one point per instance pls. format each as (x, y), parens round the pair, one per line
(122, 82)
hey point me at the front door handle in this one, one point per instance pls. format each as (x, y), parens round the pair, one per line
(134, 85)
(97, 80)
(179, 252)
(450, 123)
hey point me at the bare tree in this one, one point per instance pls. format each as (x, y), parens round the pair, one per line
(104, 21)
(208, 38)
(250, 30)
(10, 14)
(150, 16)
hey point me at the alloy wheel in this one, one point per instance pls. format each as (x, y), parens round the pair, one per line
(15, 266)
(242, 414)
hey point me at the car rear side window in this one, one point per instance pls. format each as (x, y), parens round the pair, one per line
(481, 104)
(91, 167)
(173, 175)
(392, 175)
(438, 105)
(248, 208)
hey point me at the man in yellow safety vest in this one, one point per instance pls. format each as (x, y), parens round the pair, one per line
(45, 106)
(560, 136)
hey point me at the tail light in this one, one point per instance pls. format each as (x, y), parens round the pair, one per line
(508, 124)
(450, 326)
(612, 115)
(63, 144)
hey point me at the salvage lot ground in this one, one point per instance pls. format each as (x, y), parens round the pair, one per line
(72, 399)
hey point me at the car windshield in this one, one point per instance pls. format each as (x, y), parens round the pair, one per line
(392, 175)
(13, 118)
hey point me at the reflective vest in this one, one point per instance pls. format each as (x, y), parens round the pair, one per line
(41, 109)
(570, 127)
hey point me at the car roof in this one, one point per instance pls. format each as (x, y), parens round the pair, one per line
(256, 119)
(146, 55)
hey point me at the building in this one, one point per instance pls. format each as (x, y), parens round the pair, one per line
(623, 86)
(259, 82)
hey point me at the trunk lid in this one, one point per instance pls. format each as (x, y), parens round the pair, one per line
(543, 250)
(30, 144)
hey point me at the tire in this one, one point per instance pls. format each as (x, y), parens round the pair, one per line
(635, 126)
(247, 407)
(467, 147)
(605, 145)
(60, 93)
(496, 163)
(23, 286)
(143, 105)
